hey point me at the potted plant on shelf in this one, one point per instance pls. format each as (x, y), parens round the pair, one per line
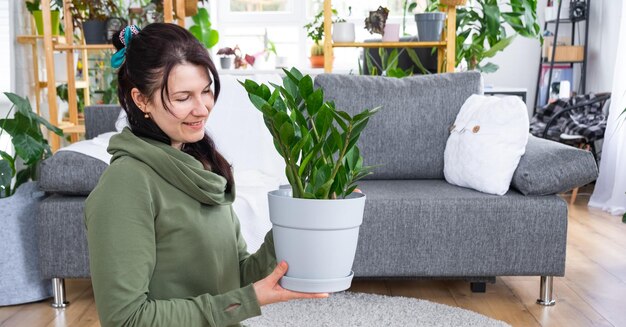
(316, 222)
(91, 16)
(376, 23)
(315, 31)
(34, 8)
(18, 204)
(226, 57)
(202, 30)
(343, 31)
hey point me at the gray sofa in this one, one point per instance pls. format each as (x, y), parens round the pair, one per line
(415, 225)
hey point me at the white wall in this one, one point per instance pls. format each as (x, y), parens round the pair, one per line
(519, 63)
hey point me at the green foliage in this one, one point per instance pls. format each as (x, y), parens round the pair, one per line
(28, 141)
(317, 141)
(35, 5)
(315, 29)
(83, 10)
(481, 30)
(389, 63)
(202, 29)
(62, 93)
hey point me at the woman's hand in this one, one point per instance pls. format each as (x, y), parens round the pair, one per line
(268, 291)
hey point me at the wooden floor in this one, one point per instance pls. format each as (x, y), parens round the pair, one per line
(593, 292)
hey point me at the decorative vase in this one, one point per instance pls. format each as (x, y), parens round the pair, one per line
(391, 33)
(226, 62)
(20, 281)
(317, 239)
(343, 32)
(95, 32)
(430, 26)
(54, 21)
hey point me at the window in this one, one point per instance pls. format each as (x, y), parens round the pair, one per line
(251, 23)
(257, 5)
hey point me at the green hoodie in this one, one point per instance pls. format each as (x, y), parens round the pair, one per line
(165, 246)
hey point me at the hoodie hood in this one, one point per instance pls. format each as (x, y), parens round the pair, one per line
(178, 168)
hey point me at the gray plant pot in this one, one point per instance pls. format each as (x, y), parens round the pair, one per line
(95, 32)
(317, 238)
(20, 281)
(225, 62)
(429, 26)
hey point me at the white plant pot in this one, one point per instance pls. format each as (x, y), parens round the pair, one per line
(20, 281)
(391, 33)
(317, 239)
(343, 32)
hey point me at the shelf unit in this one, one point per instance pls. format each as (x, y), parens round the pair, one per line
(551, 61)
(445, 47)
(51, 43)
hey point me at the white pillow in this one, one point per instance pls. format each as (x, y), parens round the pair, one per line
(121, 121)
(486, 143)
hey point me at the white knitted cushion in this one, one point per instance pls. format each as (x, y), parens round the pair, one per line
(486, 142)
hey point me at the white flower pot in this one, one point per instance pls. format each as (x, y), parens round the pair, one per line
(391, 33)
(20, 281)
(343, 32)
(317, 239)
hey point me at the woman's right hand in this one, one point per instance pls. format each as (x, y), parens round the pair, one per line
(268, 290)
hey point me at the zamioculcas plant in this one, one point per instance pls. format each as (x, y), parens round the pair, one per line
(317, 141)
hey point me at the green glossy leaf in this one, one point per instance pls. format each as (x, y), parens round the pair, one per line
(499, 46)
(22, 177)
(22, 105)
(6, 175)
(29, 149)
(314, 101)
(305, 86)
(287, 133)
(488, 68)
(257, 101)
(9, 159)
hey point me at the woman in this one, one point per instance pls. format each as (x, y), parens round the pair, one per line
(164, 243)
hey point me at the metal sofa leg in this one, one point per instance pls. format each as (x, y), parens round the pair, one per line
(545, 291)
(58, 289)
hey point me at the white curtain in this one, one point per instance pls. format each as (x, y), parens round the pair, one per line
(610, 190)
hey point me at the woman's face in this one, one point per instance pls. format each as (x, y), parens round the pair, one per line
(190, 102)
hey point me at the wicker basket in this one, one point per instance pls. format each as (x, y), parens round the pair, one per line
(453, 2)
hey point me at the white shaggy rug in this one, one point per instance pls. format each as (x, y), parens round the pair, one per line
(360, 309)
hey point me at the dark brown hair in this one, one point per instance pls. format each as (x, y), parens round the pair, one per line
(150, 57)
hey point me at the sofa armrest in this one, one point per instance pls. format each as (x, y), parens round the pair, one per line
(550, 167)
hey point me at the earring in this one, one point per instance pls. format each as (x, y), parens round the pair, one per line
(146, 116)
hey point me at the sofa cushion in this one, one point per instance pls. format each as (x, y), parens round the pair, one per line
(486, 142)
(550, 167)
(69, 172)
(432, 228)
(100, 119)
(408, 135)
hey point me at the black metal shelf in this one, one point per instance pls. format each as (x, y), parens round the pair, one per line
(549, 62)
(546, 62)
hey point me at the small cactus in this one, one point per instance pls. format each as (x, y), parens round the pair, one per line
(317, 50)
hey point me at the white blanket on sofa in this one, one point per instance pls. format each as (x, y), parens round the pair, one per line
(239, 133)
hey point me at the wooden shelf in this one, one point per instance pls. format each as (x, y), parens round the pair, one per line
(84, 47)
(390, 44)
(25, 39)
(70, 128)
(446, 52)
